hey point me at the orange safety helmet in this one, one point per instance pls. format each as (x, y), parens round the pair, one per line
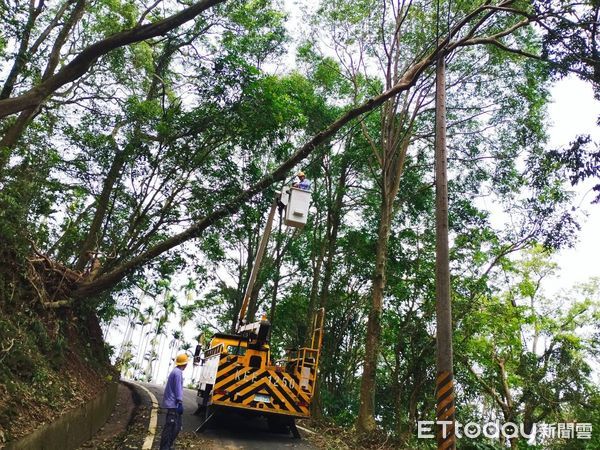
(181, 360)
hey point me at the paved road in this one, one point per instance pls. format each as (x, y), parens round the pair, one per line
(230, 433)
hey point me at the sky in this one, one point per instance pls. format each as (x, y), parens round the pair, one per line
(574, 111)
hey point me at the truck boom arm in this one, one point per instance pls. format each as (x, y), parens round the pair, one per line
(257, 262)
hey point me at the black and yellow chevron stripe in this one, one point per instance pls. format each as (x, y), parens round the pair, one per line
(237, 385)
(445, 410)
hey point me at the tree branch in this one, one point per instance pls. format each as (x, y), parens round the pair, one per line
(110, 279)
(82, 62)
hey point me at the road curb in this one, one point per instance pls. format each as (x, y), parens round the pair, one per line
(74, 427)
(153, 422)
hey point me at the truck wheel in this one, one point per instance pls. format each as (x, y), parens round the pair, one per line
(294, 429)
(277, 425)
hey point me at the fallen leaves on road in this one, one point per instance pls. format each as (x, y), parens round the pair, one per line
(192, 440)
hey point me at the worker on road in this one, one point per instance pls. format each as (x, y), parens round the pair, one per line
(173, 403)
(302, 182)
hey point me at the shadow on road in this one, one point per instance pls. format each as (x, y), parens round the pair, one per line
(248, 431)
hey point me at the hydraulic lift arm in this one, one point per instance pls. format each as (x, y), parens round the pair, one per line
(257, 262)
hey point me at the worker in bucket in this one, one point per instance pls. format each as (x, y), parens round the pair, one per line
(302, 182)
(299, 182)
(173, 403)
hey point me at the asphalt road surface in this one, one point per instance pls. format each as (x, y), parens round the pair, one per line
(231, 432)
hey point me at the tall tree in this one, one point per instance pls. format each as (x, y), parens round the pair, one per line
(181, 145)
(444, 356)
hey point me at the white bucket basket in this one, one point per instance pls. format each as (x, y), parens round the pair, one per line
(296, 211)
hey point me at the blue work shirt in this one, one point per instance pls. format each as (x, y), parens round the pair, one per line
(304, 184)
(174, 389)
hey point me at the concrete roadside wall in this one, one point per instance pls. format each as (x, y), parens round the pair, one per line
(74, 427)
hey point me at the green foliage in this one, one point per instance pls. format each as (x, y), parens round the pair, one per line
(113, 16)
(158, 135)
(266, 30)
(538, 347)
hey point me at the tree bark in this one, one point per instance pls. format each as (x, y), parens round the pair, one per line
(317, 257)
(509, 409)
(392, 168)
(120, 158)
(366, 414)
(15, 131)
(22, 54)
(102, 205)
(82, 62)
(333, 226)
(398, 384)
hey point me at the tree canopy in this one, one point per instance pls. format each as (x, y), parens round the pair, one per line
(140, 147)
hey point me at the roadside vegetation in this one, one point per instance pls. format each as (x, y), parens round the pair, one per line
(50, 361)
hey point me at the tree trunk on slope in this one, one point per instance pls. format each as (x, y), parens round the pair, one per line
(333, 226)
(366, 413)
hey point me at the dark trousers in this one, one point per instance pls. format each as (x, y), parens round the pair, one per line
(170, 429)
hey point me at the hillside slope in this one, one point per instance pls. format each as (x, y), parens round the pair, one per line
(51, 360)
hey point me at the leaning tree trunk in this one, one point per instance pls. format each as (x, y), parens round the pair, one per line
(15, 131)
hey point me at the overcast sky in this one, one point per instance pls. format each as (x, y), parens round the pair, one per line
(575, 111)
